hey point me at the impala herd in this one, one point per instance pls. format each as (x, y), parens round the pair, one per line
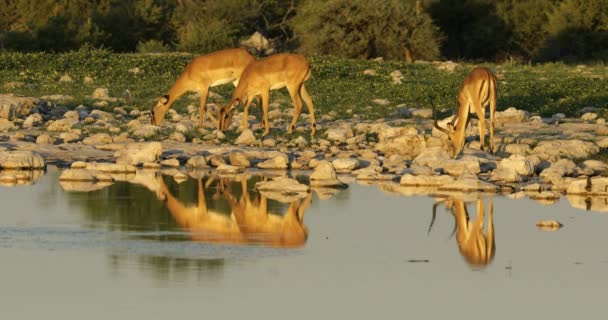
(254, 79)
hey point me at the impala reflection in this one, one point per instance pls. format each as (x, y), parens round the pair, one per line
(476, 246)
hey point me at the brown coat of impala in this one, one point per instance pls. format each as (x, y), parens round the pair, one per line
(475, 247)
(200, 74)
(477, 91)
(274, 72)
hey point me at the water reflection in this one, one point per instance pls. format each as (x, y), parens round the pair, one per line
(249, 221)
(476, 246)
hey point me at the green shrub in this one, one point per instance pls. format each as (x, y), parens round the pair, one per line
(365, 29)
(577, 30)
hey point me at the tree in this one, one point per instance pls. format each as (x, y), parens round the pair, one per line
(365, 29)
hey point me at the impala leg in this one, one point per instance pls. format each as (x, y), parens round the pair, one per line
(203, 92)
(482, 125)
(493, 90)
(297, 104)
(311, 109)
(265, 122)
(244, 122)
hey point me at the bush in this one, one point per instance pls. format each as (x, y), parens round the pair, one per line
(152, 46)
(473, 29)
(365, 29)
(577, 30)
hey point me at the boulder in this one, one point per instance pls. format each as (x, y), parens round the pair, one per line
(574, 149)
(410, 145)
(278, 162)
(239, 159)
(283, 184)
(246, 138)
(465, 165)
(324, 175)
(61, 125)
(97, 139)
(433, 157)
(347, 164)
(339, 134)
(197, 162)
(227, 169)
(7, 125)
(139, 153)
(511, 115)
(26, 160)
(12, 107)
(519, 164)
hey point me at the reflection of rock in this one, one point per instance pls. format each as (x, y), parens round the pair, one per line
(411, 180)
(591, 186)
(20, 177)
(594, 203)
(470, 183)
(83, 186)
(549, 225)
(325, 193)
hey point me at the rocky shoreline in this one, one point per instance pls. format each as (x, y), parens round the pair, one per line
(541, 157)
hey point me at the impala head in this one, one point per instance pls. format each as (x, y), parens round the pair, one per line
(225, 114)
(455, 137)
(159, 109)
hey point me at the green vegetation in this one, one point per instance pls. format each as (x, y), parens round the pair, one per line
(492, 30)
(337, 84)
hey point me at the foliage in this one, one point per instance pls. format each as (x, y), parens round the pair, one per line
(473, 29)
(578, 30)
(336, 84)
(365, 29)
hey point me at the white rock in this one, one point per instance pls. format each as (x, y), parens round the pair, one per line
(511, 115)
(348, 164)
(468, 165)
(283, 184)
(278, 162)
(518, 163)
(246, 138)
(97, 139)
(574, 149)
(138, 153)
(197, 162)
(21, 160)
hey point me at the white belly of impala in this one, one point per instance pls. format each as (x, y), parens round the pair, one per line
(222, 81)
(278, 85)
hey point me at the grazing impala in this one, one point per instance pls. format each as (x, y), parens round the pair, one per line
(203, 72)
(477, 91)
(271, 73)
(249, 221)
(476, 247)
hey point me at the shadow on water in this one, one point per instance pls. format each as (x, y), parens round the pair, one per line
(476, 246)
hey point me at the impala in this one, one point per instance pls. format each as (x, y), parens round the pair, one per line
(477, 91)
(476, 247)
(272, 73)
(200, 74)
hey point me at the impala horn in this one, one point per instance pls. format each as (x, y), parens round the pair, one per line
(435, 124)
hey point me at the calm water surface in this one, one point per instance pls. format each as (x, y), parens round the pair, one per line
(215, 248)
